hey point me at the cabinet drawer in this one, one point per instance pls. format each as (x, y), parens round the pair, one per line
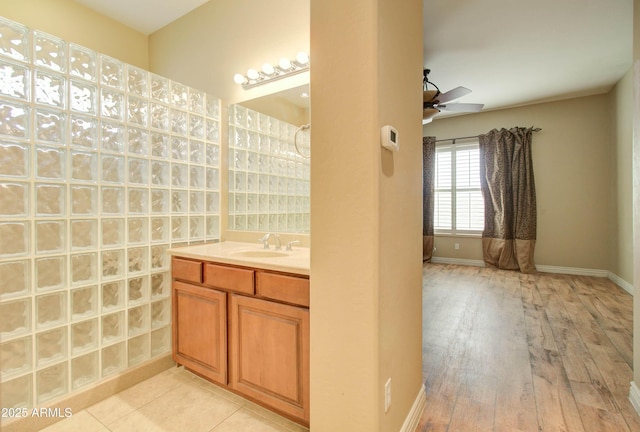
(288, 289)
(186, 270)
(229, 278)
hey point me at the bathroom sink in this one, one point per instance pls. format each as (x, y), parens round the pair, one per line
(259, 253)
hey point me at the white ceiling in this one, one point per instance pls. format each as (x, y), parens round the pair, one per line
(509, 52)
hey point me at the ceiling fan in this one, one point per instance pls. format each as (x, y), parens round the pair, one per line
(433, 101)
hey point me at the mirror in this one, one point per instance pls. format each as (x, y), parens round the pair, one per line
(269, 163)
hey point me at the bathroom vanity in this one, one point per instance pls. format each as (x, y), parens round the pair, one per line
(241, 320)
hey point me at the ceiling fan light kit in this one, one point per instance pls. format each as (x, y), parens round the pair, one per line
(434, 102)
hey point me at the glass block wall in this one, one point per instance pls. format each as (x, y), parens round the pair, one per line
(103, 166)
(268, 177)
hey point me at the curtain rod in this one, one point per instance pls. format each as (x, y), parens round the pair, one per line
(473, 136)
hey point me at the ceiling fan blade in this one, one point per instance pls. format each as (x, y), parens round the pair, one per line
(452, 94)
(461, 107)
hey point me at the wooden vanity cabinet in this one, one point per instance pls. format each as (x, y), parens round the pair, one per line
(244, 328)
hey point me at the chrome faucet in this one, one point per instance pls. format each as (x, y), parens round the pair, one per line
(292, 243)
(265, 240)
(278, 243)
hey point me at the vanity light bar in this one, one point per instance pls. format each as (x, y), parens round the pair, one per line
(269, 72)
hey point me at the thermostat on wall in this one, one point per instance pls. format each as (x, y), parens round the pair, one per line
(390, 138)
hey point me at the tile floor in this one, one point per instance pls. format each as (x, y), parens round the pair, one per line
(175, 400)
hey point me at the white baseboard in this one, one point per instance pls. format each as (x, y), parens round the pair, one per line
(413, 418)
(634, 397)
(572, 271)
(621, 283)
(460, 261)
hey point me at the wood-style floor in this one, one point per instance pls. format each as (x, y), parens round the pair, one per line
(505, 351)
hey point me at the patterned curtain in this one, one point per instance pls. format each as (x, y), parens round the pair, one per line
(428, 180)
(508, 189)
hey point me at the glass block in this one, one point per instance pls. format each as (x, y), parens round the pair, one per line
(253, 142)
(84, 301)
(50, 89)
(84, 131)
(14, 120)
(112, 232)
(138, 320)
(240, 181)
(112, 137)
(160, 284)
(263, 203)
(14, 42)
(252, 120)
(179, 149)
(239, 159)
(15, 357)
(49, 51)
(138, 171)
(159, 88)
(84, 268)
(84, 370)
(137, 230)
(112, 295)
(138, 141)
(112, 169)
(51, 310)
(179, 175)
(213, 155)
(14, 80)
(196, 126)
(112, 200)
(179, 201)
(196, 152)
(16, 318)
(50, 273)
(252, 203)
(213, 178)
(50, 236)
(137, 111)
(179, 122)
(160, 341)
(50, 199)
(159, 201)
(15, 239)
(159, 145)
(113, 359)
(240, 222)
(159, 257)
(179, 94)
(138, 349)
(138, 81)
(84, 166)
(14, 160)
(196, 202)
(112, 264)
(179, 228)
(83, 234)
(213, 107)
(84, 336)
(137, 259)
(196, 177)
(252, 161)
(263, 184)
(252, 182)
(50, 163)
(213, 227)
(51, 346)
(15, 277)
(112, 104)
(83, 97)
(159, 116)
(111, 72)
(113, 327)
(263, 222)
(252, 222)
(17, 393)
(138, 201)
(51, 382)
(159, 229)
(160, 313)
(196, 227)
(82, 62)
(84, 200)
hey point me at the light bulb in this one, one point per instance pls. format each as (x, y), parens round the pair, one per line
(239, 78)
(253, 74)
(302, 58)
(268, 69)
(284, 63)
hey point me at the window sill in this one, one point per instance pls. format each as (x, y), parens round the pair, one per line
(462, 235)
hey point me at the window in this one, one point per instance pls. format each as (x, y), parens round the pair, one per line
(458, 207)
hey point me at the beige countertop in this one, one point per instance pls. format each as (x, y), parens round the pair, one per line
(296, 261)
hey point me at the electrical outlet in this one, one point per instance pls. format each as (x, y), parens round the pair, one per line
(456, 246)
(387, 395)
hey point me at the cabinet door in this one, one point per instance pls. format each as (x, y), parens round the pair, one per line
(269, 354)
(200, 331)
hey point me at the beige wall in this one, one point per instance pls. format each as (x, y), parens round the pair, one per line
(73, 22)
(636, 190)
(571, 163)
(620, 185)
(365, 216)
